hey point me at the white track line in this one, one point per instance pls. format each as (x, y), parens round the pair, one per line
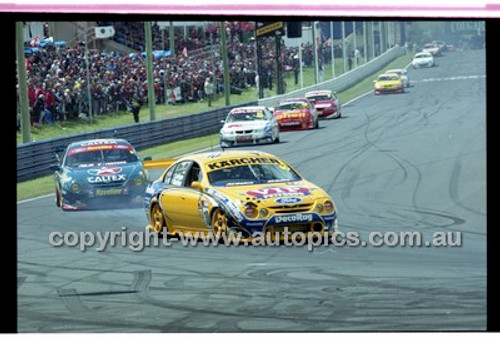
(35, 198)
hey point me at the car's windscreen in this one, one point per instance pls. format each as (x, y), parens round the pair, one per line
(100, 157)
(292, 106)
(388, 78)
(319, 97)
(422, 56)
(251, 174)
(246, 116)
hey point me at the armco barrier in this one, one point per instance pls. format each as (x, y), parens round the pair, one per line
(34, 159)
(344, 81)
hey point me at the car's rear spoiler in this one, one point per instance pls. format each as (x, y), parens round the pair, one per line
(161, 163)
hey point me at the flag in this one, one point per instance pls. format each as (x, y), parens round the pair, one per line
(184, 52)
(104, 32)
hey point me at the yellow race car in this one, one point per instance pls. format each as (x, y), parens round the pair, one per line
(388, 83)
(248, 193)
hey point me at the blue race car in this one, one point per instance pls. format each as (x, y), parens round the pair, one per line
(95, 173)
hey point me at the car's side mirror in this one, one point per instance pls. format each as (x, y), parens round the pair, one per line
(147, 158)
(222, 121)
(196, 185)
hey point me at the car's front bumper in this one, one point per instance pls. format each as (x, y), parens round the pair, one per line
(96, 198)
(295, 124)
(328, 112)
(230, 140)
(423, 65)
(381, 90)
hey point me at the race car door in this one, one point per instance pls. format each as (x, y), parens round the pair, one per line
(181, 201)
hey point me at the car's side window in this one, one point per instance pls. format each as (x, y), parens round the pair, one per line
(168, 175)
(180, 173)
(195, 174)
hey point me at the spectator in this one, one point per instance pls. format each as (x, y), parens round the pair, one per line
(209, 90)
(47, 116)
(135, 107)
(38, 108)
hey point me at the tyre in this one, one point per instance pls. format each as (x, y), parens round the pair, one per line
(157, 218)
(58, 198)
(219, 224)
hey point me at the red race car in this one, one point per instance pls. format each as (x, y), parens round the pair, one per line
(325, 102)
(296, 113)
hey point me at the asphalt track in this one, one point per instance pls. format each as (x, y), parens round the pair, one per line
(409, 162)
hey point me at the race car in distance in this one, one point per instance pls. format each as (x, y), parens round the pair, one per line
(296, 113)
(403, 75)
(326, 103)
(249, 125)
(423, 59)
(441, 44)
(95, 173)
(388, 83)
(243, 192)
(432, 48)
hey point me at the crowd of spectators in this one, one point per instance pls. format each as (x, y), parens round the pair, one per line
(57, 76)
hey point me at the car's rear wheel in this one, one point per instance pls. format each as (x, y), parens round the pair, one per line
(157, 218)
(219, 223)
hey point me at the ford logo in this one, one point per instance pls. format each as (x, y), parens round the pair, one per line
(288, 200)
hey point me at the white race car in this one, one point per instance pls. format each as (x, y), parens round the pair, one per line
(432, 48)
(249, 125)
(403, 75)
(423, 59)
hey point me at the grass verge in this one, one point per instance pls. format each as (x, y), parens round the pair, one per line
(45, 185)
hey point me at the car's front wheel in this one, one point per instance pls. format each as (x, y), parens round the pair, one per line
(219, 224)
(277, 139)
(157, 218)
(58, 198)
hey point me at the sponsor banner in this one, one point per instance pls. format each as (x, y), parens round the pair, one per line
(104, 171)
(241, 161)
(288, 200)
(299, 218)
(98, 147)
(106, 178)
(276, 192)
